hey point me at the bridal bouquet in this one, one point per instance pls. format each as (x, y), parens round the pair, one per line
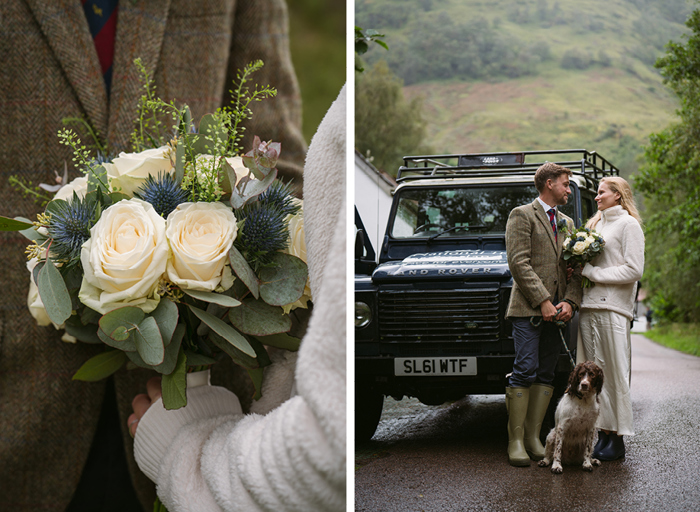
(176, 254)
(581, 246)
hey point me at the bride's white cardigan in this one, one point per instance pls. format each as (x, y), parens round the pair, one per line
(289, 454)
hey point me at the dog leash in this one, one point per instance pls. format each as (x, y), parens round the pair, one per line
(536, 321)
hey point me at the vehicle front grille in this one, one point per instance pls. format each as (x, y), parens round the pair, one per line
(439, 315)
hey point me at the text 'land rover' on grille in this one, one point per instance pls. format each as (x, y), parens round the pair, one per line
(430, 316)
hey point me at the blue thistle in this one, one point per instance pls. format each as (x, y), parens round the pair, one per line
(69, 226)
(163, 193)
(264, 231)
(280, 195)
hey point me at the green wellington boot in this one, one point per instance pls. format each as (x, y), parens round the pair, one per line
(540, 395)
(516, 404)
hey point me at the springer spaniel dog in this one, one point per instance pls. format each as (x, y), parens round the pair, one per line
(572, 439)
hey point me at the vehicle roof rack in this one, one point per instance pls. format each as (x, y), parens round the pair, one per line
(588, 164)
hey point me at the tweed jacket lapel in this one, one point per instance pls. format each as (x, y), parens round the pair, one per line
(65, 27)
(544, 220)
(140, 31)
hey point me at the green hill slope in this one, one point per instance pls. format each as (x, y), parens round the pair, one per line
(532, 74)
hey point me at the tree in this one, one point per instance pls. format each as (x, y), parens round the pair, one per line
(670, 182)
(387, 125)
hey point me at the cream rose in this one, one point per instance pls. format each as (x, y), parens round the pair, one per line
(297, 247)
(125, 258)
(78, 185)
(200, 236)
(567, 241)
(579, 247)
(129, 171)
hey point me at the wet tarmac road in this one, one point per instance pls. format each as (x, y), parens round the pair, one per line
(453, 457)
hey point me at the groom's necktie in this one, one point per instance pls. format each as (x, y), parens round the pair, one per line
(552, 214)
(102, 20)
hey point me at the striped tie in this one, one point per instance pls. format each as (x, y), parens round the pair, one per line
(102, 20)
(552, 212)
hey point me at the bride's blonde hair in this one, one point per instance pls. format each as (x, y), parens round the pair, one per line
(620, 186)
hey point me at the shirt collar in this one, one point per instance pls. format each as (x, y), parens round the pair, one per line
(546, 206)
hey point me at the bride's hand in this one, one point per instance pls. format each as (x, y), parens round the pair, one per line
(142, 402)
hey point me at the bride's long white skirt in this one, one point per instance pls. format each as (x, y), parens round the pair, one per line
(604, 338)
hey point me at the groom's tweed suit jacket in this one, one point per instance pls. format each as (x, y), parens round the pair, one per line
(534, 259)
(50, 71)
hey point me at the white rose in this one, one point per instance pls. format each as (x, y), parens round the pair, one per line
(581, 234)
(200, 236)
(124, 258)
(129, 171)
(297, 247)
(579, 247)
(78, 185)
(567, 241)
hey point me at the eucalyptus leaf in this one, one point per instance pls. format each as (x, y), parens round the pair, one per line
(258, 318)
(225, 331)
(129, 318)
(97, 179)
(242, 269)
(54, 294)
(31, 233)
(118, 196)
(284, 282)
(211, 126)
(101, 366)
(126, 345)
(253, 188)
(282, 340)
(84, 333)
(174, 385)
(196, 359)
(236, 355)
(149, 342)
(215, 298)
(252, 165)
(171, 354)
(55, 206)
(256, 375)
(166, 316)
(7, 224)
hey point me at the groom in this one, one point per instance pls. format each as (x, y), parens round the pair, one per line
(539, 274)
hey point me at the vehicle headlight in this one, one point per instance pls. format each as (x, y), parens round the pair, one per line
(363, 315)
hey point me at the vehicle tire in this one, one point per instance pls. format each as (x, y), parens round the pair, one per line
(368, 410)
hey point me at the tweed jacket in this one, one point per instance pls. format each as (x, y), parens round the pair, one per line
(534, 259)
(50, 71)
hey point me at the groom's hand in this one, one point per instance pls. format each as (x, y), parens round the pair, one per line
(548, 310)
(566, 311)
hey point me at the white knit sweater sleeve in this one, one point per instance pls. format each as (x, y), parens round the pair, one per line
(632, 268)
(293, 458)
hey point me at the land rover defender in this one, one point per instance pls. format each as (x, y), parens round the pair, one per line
(430, 318)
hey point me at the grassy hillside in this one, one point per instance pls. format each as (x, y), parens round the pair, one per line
(506, 75)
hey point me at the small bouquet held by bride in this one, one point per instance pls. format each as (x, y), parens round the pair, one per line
(177, 254)
(581, 246)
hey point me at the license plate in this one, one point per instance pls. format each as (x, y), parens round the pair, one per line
(434, 366)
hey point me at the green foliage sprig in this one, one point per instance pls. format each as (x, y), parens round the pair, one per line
(240, 111)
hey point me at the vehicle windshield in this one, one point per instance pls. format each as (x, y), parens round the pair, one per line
(457, 212)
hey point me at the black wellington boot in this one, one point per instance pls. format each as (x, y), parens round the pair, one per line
(603, 440)
(614, 450)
